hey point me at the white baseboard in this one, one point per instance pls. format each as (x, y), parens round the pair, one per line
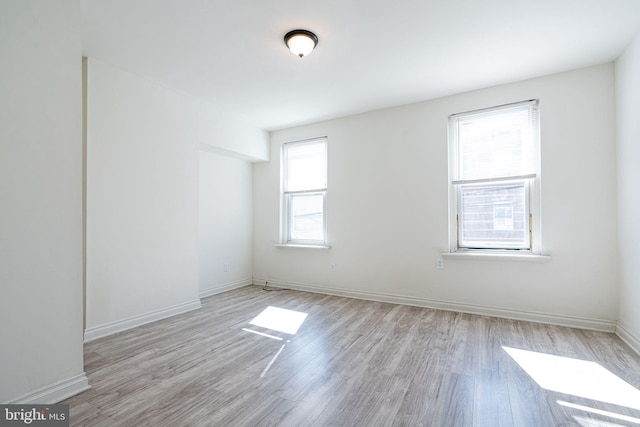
(55, 392)
(223, 287)
(110, 328)
(626, 336)
(530, 316)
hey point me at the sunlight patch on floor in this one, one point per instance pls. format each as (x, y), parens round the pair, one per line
(280, 319)
(591, 422)
(576, 377)
(262, 334)
(599, 412)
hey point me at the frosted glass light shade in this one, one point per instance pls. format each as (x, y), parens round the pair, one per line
(301, 42)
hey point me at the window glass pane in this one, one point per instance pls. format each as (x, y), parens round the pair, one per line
(496, 145)
(494, 216)
(306, 216)
(306, 166)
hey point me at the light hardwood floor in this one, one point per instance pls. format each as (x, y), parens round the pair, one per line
(351, 363)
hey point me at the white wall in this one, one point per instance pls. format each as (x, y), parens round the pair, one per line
(226, 227)
(387, 208)
(142, 199)
(628, 127)
(40, 201)
(142, 195)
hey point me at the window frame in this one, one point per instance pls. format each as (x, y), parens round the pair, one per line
(531, 182)
(286, 197)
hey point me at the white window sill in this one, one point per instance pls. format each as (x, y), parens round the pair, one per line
(495, 256)
(300, 245)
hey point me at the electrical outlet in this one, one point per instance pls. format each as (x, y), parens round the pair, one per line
(440, 264)
(226, 267)
(332, 267)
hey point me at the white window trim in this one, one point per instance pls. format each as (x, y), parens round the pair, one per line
(285, 219)
(293, 245)
(495, 255)
(288, 219)
(536, 250)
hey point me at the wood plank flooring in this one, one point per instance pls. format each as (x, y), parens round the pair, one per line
(351, 363)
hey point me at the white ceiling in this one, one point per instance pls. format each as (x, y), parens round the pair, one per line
(372, 54)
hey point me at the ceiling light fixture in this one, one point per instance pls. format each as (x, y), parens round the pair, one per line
(301, 42)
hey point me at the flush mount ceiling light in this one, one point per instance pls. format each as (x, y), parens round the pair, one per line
(300, 42)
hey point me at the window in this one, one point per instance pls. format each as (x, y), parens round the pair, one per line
(495, 178)
(304, 192)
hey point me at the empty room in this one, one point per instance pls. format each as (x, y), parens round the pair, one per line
(294, 213)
